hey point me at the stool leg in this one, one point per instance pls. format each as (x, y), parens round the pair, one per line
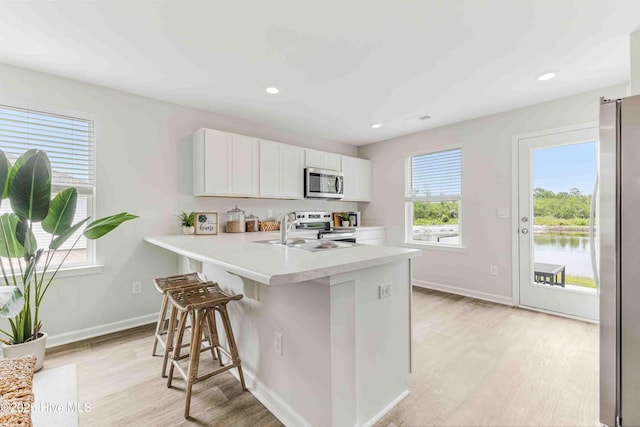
(168, 348)
(233, 349)
(213, 331)
(194, 359)
(159, 326)
(176, 352)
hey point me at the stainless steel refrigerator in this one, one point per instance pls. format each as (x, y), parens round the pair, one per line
(618, 274)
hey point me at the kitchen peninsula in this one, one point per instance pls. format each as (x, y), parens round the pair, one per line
(324, 337)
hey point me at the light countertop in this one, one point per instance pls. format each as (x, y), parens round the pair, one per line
(275, 264)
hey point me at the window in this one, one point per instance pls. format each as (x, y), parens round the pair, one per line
(69, 143)
(433, 195)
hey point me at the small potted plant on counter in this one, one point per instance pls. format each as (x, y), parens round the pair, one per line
(344, 216)
(26, 269)
(187, 221)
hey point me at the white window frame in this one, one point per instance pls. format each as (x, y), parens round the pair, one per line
(409, 201)
(90, 266)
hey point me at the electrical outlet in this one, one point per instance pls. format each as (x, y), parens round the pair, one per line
(137, 288)
(493, 270)
(384, 290)
(277, 342)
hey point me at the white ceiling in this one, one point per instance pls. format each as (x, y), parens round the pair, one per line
(340, 64)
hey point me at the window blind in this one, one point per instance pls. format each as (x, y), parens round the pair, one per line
(435, 177)
(68, 142)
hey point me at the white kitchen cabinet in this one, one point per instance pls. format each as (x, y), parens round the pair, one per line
(225, 164)
(281, 170)
(322, 160)
(357, 179)
(371, 236)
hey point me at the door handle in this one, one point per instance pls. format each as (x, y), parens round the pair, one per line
(525, 231)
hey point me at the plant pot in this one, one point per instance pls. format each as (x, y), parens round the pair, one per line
(345, 223)
(188, 230)
(35, 347)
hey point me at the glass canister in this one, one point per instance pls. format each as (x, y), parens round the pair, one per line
(235, 221)
(252, 223)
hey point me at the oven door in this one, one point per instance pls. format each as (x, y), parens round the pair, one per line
(323, 184)
(338, 236)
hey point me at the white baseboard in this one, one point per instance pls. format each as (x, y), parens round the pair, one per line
(500, 299)
(95, 331)
(283, 412)
(386, 409)
(286, 414)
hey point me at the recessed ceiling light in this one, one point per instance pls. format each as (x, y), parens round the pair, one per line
(376, 125)
(547, 75)
(272, 90)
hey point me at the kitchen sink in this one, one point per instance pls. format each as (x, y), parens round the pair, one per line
(310, 245)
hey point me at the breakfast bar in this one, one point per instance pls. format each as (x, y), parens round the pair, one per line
(324, 336)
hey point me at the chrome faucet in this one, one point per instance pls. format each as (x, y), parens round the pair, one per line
(285, 227)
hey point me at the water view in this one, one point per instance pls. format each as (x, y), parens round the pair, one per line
(562, 183)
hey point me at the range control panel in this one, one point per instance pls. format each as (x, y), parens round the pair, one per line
(303, 217)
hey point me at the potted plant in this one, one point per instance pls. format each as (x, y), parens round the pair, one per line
(26, 269)
(187, 221)
(344, 216)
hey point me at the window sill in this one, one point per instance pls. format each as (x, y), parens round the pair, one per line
(80, 270)
(435, 246)
(72, 271)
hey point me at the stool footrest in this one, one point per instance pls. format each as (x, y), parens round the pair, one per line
(211, 374)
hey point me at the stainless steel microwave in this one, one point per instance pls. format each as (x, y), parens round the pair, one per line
(323, 184)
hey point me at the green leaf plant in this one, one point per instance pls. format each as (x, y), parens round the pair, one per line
(27, 185)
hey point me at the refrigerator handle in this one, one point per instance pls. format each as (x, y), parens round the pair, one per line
(592, 240)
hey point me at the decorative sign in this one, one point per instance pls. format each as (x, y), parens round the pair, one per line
(206, 223)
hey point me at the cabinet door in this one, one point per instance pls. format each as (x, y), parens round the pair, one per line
(357, 179)
(292, 168)
(217, 157)
(270, 169)
(363, 189)
(322, 160)
(245, 168)
(313, 158)
(350, 176)
(331, 161)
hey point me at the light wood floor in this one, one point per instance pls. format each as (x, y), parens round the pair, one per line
(475, 364)
(121, 380)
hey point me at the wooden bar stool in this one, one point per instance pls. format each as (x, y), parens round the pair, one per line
(163, 285)
(202, 301)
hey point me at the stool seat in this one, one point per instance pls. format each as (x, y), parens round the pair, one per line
(164, 284)
(205, 295)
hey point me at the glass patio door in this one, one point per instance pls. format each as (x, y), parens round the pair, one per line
(556, 220)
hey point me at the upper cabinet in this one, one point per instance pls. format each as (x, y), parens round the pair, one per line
(225, 164)
(231, 165)
(322, 160)
(281, 170)
(357, 179)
